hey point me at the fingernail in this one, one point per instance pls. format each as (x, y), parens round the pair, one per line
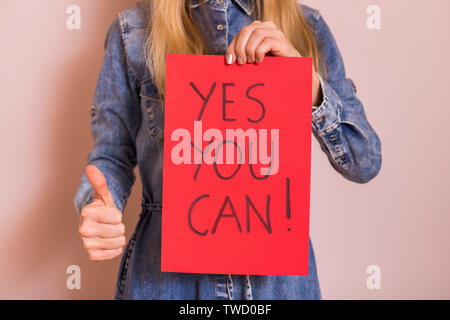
(239, 60)
(249, 60)
(229, 58)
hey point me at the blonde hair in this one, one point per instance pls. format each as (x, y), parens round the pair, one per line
(172, 30)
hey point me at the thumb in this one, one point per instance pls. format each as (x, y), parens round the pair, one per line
(98, 182)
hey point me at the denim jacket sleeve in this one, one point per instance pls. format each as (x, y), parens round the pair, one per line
(339, 123)
(115, 119)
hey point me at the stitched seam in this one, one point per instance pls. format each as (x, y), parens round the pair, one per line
(248, 10)
(149, 118)
(150, 122)
(134, 27)
(124, 42)
(325, 96)
(316, 15)
(334, 124)
(215, 287)
(228, 285)
(329, 129)
(319, 109)
(125, 266)
(226, 26)
(149, 97)
(342, 153)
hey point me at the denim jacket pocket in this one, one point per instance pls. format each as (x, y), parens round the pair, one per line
(152, 111)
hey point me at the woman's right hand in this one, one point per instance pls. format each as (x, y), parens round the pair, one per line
(101, 227)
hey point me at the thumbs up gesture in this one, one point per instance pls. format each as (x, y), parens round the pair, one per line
(101, 228)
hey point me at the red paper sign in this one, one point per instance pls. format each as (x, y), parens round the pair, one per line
(237, 154)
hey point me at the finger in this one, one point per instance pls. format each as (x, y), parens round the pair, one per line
(98, 243)
(230, 54)
(103, 255)
(255, 39)
(241, 41)
(89, 230)
(98, 182)
(270, 25)
(267, 45)
(101, 215)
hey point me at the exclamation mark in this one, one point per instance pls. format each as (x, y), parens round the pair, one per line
(288, 199)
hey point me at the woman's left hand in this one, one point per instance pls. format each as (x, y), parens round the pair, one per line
(254, 41)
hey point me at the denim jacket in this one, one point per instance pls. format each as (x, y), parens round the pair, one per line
(127, 124)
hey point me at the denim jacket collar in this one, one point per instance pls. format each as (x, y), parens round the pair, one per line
(245, 5)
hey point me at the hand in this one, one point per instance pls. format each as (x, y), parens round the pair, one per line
(257, 39)
(101, 228)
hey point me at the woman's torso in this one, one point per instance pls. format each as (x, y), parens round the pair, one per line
(139, 275)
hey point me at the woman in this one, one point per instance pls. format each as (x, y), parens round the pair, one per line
(127, 125)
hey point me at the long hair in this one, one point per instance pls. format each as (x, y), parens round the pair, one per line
(172, 30)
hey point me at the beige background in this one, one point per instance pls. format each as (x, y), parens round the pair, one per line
(399, 221)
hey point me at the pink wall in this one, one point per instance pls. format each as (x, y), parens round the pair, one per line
(399, 221)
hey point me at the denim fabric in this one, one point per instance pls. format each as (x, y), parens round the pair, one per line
(127, 124)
